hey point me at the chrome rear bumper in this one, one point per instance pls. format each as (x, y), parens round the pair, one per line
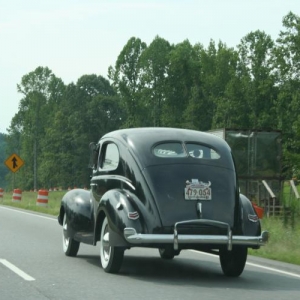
(176, 239)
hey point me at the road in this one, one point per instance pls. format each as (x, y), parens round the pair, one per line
(33, 266)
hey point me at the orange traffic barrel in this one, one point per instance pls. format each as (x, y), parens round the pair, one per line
(42, 198)
(1, 192)
(17, 195)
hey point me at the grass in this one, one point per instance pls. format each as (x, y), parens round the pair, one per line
(284, 231)
(29, 200)
(283, 246)
(284, 243)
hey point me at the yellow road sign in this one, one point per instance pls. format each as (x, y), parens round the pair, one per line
(14, 162)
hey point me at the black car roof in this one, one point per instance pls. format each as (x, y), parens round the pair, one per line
(140, 142)
(149, 136)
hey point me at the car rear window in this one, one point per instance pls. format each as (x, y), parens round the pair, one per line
(169, 150)
(177, 149)
(201, 152)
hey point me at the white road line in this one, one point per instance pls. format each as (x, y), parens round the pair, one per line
(199, 252)
(16, 270)
(273, 270)
(28, 213)
(255, 265)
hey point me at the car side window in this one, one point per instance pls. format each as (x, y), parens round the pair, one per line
(109, 157)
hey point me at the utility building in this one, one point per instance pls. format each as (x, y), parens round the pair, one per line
(258, 156)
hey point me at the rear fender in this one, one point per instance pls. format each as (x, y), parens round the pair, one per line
(250, 221)
(121, 211)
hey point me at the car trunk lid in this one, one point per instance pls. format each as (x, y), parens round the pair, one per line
(191, 191)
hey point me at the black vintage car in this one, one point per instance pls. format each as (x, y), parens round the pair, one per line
(165, 188)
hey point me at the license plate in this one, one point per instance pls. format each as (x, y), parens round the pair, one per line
(197, 193)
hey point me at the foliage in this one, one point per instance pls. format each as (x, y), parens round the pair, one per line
(287, 61)
(253, 86)
(3, 156)
(127, 82)
(55, 125)
(154, 64)
(284, 242)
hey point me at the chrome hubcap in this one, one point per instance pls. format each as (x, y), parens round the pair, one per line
(105, 244)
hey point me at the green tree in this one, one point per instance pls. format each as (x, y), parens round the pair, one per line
(222, 87)
(256, 57)
(126, 78)
(183, 75)
(42, 92)
(88, 110)
(3, 156)
(154, 64)
(105, 114)
(288, 105)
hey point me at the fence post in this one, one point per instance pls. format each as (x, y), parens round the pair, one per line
(294, 189)
(272, 196)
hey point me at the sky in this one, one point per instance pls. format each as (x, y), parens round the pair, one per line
(80, 37)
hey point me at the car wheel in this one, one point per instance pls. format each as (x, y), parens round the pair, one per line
(233, 262)
(168, 252)
(111, 257)
(70, 246)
